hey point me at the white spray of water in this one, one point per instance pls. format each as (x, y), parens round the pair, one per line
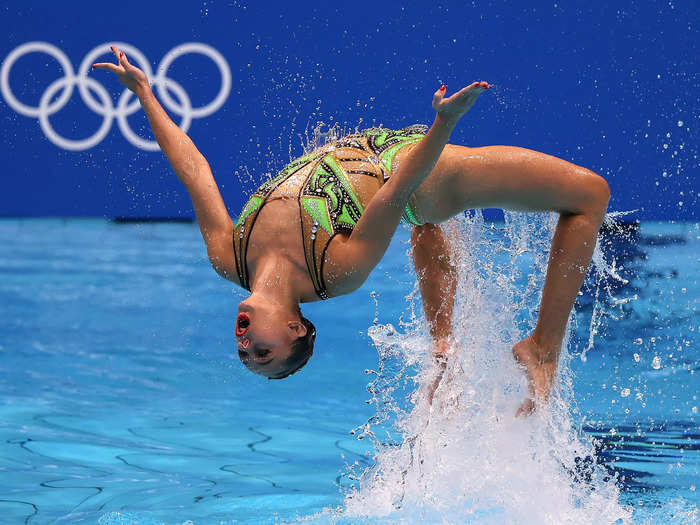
(466, 458)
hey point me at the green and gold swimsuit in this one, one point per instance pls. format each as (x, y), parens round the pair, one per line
(338, 181)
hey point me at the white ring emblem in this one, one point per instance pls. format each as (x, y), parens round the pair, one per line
(102, 105)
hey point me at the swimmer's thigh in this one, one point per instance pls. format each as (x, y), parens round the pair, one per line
(505, 177)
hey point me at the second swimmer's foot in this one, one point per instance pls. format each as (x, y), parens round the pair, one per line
(440, 354)
(540, 373)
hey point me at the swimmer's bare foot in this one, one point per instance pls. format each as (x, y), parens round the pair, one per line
(540, 365)
(442, 348)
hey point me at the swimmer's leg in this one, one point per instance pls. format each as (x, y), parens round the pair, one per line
(520, 179)
(437, 280)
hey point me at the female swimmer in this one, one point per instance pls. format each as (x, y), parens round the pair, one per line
(318, 228)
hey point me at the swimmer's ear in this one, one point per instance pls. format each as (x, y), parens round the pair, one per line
(297, 327)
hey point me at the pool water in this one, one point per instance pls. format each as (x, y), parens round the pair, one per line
(122, 399)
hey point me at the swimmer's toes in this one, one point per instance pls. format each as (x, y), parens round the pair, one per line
(526, 408)
(540, 374)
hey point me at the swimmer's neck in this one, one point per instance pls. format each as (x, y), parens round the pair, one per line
(275, 275)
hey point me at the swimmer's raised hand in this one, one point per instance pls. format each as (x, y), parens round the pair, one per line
(188, 163)
(455, 107)
(131, 76)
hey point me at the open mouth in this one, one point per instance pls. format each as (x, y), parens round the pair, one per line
(242, 324)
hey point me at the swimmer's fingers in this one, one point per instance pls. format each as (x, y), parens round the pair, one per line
(123, 60)
(114, 68)
(108, 66)
(121, 57)
(455, 106)
(469, 93)
(131, 76)
(477, 87)
(438, 96)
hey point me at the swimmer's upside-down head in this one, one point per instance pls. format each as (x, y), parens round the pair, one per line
(273, 340)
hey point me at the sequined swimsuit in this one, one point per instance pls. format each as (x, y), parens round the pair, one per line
(337, 182)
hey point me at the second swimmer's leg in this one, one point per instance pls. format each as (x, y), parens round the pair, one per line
(437, 280)
(520, 179)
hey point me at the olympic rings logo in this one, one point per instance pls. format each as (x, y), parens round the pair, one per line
(104, 106)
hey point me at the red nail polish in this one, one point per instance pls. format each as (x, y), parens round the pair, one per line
(443, 88)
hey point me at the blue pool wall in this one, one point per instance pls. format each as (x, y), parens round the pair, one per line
(608, 86)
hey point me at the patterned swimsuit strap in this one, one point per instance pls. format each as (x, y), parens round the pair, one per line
(327, 200)
(328, 204)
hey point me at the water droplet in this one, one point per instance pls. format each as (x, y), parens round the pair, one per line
(638, 340)
(625, 392)
(636, 358)
(680, 123)
(656, 362)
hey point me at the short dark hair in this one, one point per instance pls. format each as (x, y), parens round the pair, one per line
(302, 350)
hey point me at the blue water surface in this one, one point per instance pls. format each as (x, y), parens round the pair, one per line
(122, 399)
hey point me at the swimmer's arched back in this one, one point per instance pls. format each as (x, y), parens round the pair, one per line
(320, 227)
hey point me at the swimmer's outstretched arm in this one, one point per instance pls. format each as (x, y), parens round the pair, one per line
(372, 234)
(189, 164)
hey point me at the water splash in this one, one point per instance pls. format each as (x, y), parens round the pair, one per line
(466, 458)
